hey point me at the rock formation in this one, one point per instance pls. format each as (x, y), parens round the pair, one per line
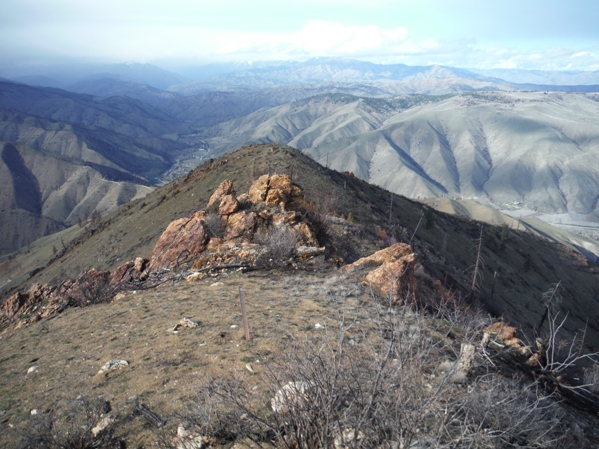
(390, 271)
(229, 232)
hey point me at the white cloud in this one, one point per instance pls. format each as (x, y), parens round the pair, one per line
(324, 38)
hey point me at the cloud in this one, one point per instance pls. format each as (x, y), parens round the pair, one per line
(324, 38)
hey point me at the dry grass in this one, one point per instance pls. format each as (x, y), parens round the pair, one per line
(164, 367)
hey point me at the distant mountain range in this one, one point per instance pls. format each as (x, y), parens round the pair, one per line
(192, 79)
(417, 130)
(67, 155)
(540, 151)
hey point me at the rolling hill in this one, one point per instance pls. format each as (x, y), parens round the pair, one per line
(292, 305)
(67, 155)
(538, 150)
(446, 244)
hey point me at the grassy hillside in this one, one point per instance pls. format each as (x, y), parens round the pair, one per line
(519, 267)
(297, 317)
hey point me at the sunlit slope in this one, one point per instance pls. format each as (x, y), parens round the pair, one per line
(42, 192)
(541, 150)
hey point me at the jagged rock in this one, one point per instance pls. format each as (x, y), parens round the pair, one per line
(244, 200)
(140, 264)
(225, 188)
(15, 303)
(112, 365)
(275, 197)
(306, 235)
(259, 189)
(390, 270)
(228, 205)
(130, 271)
(240, 224)
(183, 240)
(281, 183)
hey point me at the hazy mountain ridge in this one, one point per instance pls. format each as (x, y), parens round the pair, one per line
(391, 79)
(123, 115)
(78, 154)
(537, 149)
(549, 77)
(61, 76)
(110, 87)
(44, 193)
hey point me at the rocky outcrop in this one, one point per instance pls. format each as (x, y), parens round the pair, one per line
(182, 240)
(225, 188)
(128, 272)
(390, 271)
(232, 237)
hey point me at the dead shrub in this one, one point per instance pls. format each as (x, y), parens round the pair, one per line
(214, 225)
(278, 246)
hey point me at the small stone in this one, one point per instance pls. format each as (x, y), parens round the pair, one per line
(234, 326)
(112, 365)
(249, 368)
(33, 411)
(319, 326)
(33, 369)
(185, 323)
(102, 425)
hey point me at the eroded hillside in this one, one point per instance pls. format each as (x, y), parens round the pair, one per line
(537, 150)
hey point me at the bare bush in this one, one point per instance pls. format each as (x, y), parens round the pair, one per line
(499, 412)
(214, 225)
(278, 246)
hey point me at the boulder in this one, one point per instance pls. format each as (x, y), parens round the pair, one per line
(130, 271)
(275, 197)
(290, 398)
(306, 236)
(259, 189)
(240, 224)
(183, 240)
(228, 205)
(112, 365)
(185, 323)
(225, 188)
(390, 270)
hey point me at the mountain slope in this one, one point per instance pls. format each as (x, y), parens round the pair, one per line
(540, 150)
(519, 266)
(73, 154)
(122, 115)
(43, 192)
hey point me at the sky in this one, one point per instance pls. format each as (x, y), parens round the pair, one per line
(483, 34)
